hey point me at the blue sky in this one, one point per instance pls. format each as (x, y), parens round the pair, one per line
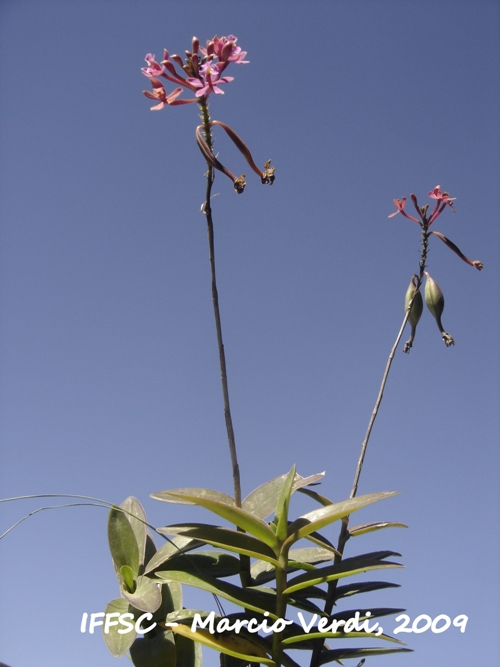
(109, 369)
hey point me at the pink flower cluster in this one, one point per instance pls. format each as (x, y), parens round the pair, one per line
(442, 200)
(202, 71)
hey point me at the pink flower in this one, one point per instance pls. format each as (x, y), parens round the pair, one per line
(441, 196)
(442, 199)
(210, 77)
(400, 204)
(226, 50)
(160, 94)
(154, 68)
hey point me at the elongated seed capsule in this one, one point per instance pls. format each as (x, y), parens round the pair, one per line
(415, 312)
(435, 303)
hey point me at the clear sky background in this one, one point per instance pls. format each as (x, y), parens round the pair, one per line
(109, 370)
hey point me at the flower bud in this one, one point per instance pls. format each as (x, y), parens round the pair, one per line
(435, 303)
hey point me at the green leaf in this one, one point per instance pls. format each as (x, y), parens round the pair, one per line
(188, 652)
(134, 507)
(310, 555)
(122, 541)
(228, 643)
(262, 501)
(262, 571)
(150, 549)
(345, 653)
(156, 650)
(210, 563)
(375, 612)
(212, 501)
(128, 578)
(281, 516)
(244, 597)
(322, 542)
(181, 496)
(317, 519)
(147, 595)
(322, 500)
(227, 538)
(346, 568)
(337, 635)
(118, 644)
(171, 599)
(361, 587)
(364, 528)
(174, 547)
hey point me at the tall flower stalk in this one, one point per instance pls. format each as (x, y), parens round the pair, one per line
(207, 209)
(202, 74)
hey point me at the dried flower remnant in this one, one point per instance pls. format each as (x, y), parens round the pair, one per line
(266, 175)
(457, 251)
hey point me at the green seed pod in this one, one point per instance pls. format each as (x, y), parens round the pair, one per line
(434, 298)
(418, 304)
(435, 303)
(415, 312)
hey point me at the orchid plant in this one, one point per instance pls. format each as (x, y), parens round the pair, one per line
(263, 545)
(262, 559)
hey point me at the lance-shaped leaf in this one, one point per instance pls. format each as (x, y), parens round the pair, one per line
(338, 635)
(118, 644)
(310, 555)
(174, 547)
(243, 597)
(281, 516)
(361, 587)
(122, 541)
(322, 517)
(322, 500)
(157, 650)
(228, 643)
(263, 571)
(224, 506)
(210, 563)
(364, 528)
(136, 516)
(262, 501)
(346, 568)
(336, 655)
(375, 612)
(217, 536)
(177, 496)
